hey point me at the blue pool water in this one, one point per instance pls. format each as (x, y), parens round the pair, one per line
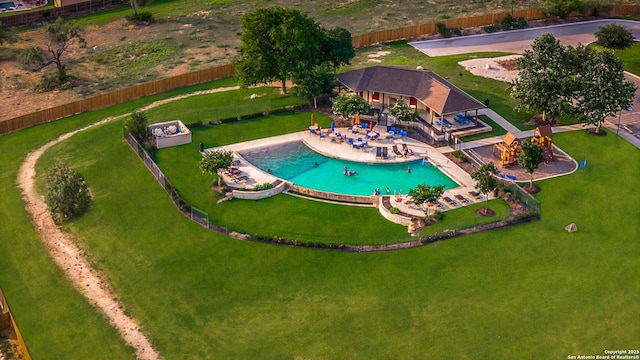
(7, 5)
(295, 162)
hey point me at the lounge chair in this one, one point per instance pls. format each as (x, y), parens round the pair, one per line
(475, 195)
(450, 202)
(385, 152)
(395, 150)
(378, 152)
(461, 198)
(404, 147)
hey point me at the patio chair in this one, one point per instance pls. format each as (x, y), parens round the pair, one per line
(378, 152)
(461, 198)
(395, 150)
(450, 201)
(404, 146)
(385, 152)
(475, 195)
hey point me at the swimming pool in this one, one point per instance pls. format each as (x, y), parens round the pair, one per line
(297, 163)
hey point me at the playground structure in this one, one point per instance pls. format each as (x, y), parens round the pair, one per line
(508, 149)
(542, 138)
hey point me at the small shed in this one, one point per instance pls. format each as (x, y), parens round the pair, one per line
(170, 133)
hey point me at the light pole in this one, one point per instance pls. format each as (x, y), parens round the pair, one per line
(619, 116)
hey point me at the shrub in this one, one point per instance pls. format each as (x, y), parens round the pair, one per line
(265, 186)
(67, 194)
(521, 23)
(460, 156)
(140, 17)
(394, 210)
(443, 30)
(136, 125)
(489, 28)
(50, 81)
(614, 36)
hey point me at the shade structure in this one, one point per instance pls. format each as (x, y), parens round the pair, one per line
(312, 119)
(357, 118)
(333, 126)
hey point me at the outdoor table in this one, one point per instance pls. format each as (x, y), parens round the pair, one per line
(313, 127)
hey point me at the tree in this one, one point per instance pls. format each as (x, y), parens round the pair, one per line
(562, 8)
(424, 193)
(274, 40)
(338, 47)
(530, 158)
(67, 194)
(315, 80)
(60, 35)
(603, 91)
(212, 161)
(545, 80)
(403, 112)
(486, 180)
(614, 36)
(349, 104)
(136, 125)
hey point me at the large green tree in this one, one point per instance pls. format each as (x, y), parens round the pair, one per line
(274, 40)
(545, 79)
(136, 125)
(486, 181)
(602, 89)
(350, 104)
(424, 193)
(530, 158)
(314, 80)
(60, 35)
(338, 47)
(212, 161)
(66, 193)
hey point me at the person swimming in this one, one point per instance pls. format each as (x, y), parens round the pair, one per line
(408, 169)
(388, 190)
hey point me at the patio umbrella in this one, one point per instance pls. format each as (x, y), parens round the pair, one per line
(357, 118)
(333, 126)
(312, 119)
(371, 125)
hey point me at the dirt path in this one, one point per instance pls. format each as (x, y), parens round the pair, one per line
(70, 258)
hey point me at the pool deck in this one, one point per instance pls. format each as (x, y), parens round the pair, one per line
(344, 151)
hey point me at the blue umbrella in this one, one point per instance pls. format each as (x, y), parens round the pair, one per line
(333, 126)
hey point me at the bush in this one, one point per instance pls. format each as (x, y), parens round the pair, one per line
(50, 81)
(614, 36)
(136, 125)
(521, 23)
(394, 210)
(489, 28)
(67, 194)
(443, 30)
(460, 156)
(265, 186)
(140, 18)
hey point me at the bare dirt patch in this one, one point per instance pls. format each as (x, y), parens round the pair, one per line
(500, 68)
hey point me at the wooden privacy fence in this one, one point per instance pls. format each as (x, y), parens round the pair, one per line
(25, 18)
(432, 28)
(116, 97)
(219, 72)
(6, 321)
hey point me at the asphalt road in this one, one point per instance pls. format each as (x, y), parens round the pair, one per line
(517, 41)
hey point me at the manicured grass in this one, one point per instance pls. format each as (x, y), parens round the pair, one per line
(531, 288)
(225, 105)
(630, 58)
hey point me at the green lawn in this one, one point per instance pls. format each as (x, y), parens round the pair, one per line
(532, 288)
(496, 130)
